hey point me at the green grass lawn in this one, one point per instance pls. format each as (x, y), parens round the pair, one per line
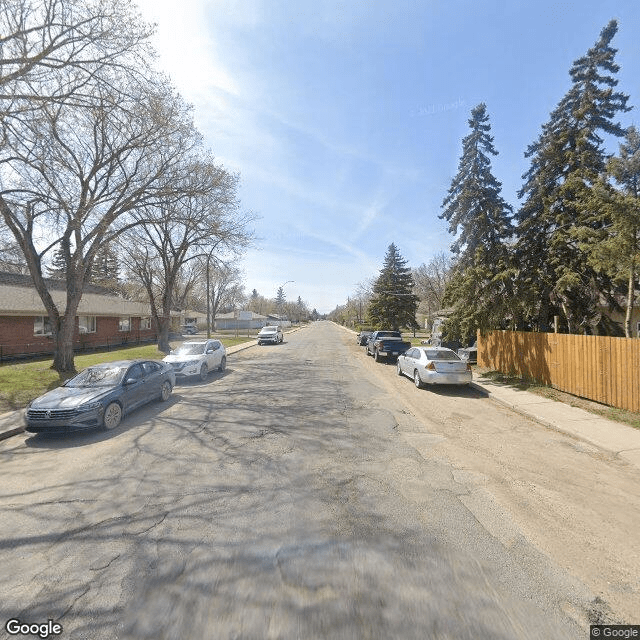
(22, 382)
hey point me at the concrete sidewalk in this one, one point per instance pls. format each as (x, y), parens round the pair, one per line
(611, 436)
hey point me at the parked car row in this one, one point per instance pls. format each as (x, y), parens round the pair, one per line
(101, 395)
(425, 365)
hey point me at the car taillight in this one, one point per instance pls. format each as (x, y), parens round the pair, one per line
(431, 366)
(469, 367)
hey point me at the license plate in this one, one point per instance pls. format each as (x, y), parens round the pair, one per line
(395, 353)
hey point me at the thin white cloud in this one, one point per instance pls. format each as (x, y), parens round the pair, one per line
(187, 50)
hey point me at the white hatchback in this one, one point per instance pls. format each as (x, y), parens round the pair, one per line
(434, 365)
(197, 358)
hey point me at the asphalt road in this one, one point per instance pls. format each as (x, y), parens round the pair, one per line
(301, 494)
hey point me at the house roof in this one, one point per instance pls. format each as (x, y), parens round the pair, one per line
(18, 297)
(232, 316)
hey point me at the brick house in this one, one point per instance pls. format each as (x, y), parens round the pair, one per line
(103, 319)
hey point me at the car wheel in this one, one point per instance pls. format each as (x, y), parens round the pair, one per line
(112, 416)
(417, 379)
(399, 368)
(165, 391)
(223, 364)
(204, 372)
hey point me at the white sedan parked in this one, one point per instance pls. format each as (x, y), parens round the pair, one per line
(434, 365)
(197, 358)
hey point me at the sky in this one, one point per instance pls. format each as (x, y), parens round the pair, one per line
(345, 118)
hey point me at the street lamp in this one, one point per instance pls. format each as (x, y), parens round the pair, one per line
(208, 255)
(282, 287)
(287, 282)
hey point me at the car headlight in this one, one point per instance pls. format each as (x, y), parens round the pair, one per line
(91, 406)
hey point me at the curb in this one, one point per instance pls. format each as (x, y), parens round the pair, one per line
(521, 411)
(4, 435)
(483, 391)
(611, 442)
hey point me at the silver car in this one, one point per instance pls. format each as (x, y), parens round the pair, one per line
(100, 396)
(434, 365)
(197, 358)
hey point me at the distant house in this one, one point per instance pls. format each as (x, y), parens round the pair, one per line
(189, 316)
(280, 321)
(103, 319)
(240, 320)
(244, 320)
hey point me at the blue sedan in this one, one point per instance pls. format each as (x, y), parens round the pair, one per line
(100, 396)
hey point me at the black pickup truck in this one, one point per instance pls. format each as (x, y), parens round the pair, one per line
(386, 344)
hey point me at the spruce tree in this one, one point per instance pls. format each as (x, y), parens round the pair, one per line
(614, 248)
(394, 304)
(479, 289)
(280, 299)
(58, 268)
(555, 276)
(105, 270)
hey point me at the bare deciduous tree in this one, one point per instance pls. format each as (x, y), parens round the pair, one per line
(53, 50)
(430, 282)
(72, 177)
(225, 287)
(205, 218)
(11, 257)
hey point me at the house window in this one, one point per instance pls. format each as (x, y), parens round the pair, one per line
(145, 323)
(86, 324)
(124, 324)
(638, 329)
(41, 326)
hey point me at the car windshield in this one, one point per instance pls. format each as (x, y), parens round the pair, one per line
(98, 377)
(269, 330)
(192, 349)
(436, 354)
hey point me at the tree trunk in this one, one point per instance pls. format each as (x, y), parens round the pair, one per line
(631, 289)
(63, 361)
(163, 334)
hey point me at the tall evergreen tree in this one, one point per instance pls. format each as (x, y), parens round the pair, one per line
(280, 299)
(58, 268)
(614, 248)
(105, 270)
(555, 275)
(479, 288)
(393, 304)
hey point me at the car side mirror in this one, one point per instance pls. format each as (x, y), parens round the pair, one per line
(130, 381)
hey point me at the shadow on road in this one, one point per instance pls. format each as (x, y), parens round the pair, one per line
(62, 440)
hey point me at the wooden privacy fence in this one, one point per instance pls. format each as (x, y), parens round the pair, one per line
(600, 368)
